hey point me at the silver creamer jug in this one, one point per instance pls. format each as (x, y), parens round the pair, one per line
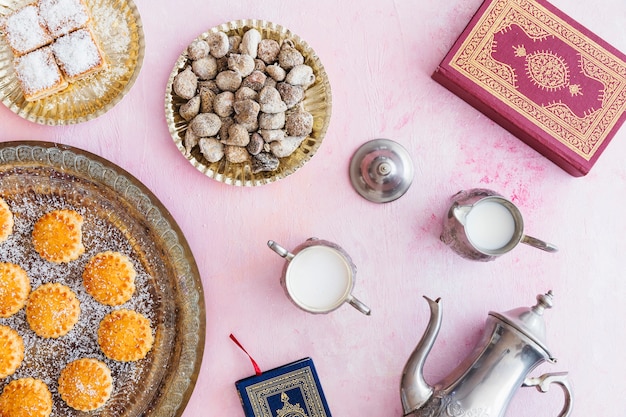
(512, 345)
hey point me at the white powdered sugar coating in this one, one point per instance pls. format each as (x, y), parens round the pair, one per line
(77, 53)
(116, 29)
(24, 30)
(37, 70)
(113, 31)
(63, 16)
(45, 358)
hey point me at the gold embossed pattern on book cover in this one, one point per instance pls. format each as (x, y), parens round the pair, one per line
(291, 390)
(553, 75)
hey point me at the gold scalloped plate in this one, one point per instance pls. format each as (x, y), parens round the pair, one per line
(317, 101)
(120, 214)
(119, 30)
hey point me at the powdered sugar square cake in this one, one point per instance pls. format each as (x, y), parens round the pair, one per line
(24, 30)
(38, 74)
(78, 54)
(63, 16)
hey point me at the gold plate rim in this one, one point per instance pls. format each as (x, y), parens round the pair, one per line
(318, 100)
(171, 395)
(58, 109)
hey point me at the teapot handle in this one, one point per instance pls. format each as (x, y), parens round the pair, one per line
(543, 382)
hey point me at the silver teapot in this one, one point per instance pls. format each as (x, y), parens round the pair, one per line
(512, 345)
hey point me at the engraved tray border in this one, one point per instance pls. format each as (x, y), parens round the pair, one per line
(176, 386)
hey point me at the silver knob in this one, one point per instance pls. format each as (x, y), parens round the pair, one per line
(381, 170)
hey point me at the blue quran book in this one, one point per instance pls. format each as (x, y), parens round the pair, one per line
(291, 390)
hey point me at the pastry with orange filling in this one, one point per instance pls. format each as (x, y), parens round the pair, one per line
(26, 397)
(57, 236)
(109, 277)
(14, 288)
(6, 221)
(125, 335)
(11, 351)
(52, 310)
(85, 384)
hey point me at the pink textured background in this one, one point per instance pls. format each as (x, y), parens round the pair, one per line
(379, 57)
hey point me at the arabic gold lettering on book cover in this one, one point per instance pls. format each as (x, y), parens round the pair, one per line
(292, 390)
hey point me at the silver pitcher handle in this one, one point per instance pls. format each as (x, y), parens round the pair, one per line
(356, 303)
(280, 250)
(543, 382)
(539, 244)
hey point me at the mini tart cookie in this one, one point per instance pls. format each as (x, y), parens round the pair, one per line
(14, 289)
(57, 236)
(6, 221)
(11, 351)
(109, 277)
(26, 397)
(52, 310)
(85, 384)
(125, 335)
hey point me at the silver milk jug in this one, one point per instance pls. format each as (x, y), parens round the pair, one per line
(512, 345)
(475, 231)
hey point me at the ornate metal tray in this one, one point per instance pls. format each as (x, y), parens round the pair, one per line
(119, 214)
(118, 26)
(317, 101)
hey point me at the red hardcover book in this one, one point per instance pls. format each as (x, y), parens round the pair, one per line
(543, 77)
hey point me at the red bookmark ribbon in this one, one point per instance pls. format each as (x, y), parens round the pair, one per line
(257, 370)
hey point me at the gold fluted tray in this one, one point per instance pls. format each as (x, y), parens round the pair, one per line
(317, 101)
(120, 214)
(118, 28)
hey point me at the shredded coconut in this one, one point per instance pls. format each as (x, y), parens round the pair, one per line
(45, 358)
(24, 30)
(112, 28)
(37, 70)
(77, 53)
(63, 16)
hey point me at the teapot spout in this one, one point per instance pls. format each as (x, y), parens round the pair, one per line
(414, 390)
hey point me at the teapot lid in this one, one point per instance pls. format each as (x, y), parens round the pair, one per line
(529, 320)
